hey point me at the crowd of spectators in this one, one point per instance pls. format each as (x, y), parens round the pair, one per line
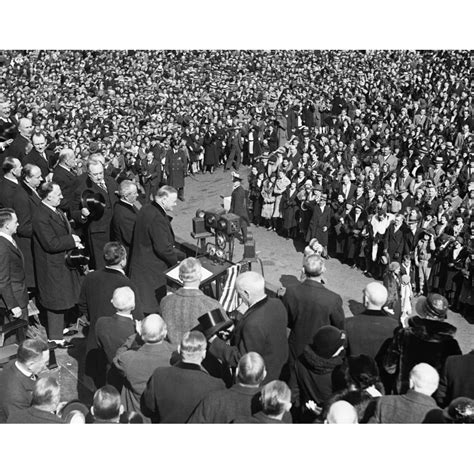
(367, 155)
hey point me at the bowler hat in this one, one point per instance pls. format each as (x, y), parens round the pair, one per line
(76, 258)
(94, 202)
(212, 322)
(433, 306)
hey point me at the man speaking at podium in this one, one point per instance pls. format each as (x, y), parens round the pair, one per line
(153, 250)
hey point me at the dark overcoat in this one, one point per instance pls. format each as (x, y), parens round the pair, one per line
(13, 292)
(238, 203)
(153, 253)
(172, 393)
(175, 167)
(67, 181)
(123, 224)
(59, 285)
(310, 305)
(262, 329)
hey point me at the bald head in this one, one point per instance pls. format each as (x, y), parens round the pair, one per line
(123, 299)
(153, 329)
(251, 286)
(342, 412)
(375, 295)
(424, 379)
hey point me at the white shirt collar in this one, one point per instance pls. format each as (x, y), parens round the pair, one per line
(117, 269)
(13, 179)
(8, 237)
(23, 370)
(51, 207)
(125, 315)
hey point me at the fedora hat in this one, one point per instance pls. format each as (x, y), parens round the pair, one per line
(433, 306)
(76, 258)
(73, 406)
(212, 322)
(94, 202)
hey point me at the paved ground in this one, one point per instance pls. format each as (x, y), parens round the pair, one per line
(281, 265)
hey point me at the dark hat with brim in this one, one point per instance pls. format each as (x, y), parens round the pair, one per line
(94, 202)
(433, 306)
(76, 258)
(73, 406)
(212, 322)
(460, 410)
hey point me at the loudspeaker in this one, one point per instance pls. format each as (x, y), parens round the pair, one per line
(229, 223)
(211, 218)
(199, 225)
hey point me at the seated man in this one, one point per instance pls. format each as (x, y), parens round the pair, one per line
(276, 402)
(182, 309)
(46, 396)
(106, 405)
(17, 380)
(240, 400)
(172, 393)
(112, 332)
(415, 405)
(139, 356)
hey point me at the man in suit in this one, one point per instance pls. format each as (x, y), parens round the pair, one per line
(413, 406)
(240, 400)
(238, 204)
(457, 379)
(235, 145)
(172, 393)
(26, 201)
(112, 332)
(367, 331)
(97, 227)
(13, 291)
(21, 145)
(95, 302)
(395, 239)
(347, 189)
(17, 379)
(65, 175)
(10, 181)
(125, 214)
(320, 220)
(176, 167)
(59, 285)
(388, 158)
(261, 329)
(139, 356)
(40, 157)
(153, 249)
(310, 306)
(151, 175)
(404, 181)
(44, 403)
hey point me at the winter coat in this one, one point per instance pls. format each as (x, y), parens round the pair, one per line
(424, 340)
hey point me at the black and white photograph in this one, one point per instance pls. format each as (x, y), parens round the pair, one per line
(200, 234)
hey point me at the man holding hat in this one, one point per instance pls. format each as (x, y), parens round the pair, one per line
(427, 338)
(92, 207)
(238, 204)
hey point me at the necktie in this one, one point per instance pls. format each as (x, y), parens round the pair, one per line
(103, 186)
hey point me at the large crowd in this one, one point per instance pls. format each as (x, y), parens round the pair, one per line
(367, 156)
